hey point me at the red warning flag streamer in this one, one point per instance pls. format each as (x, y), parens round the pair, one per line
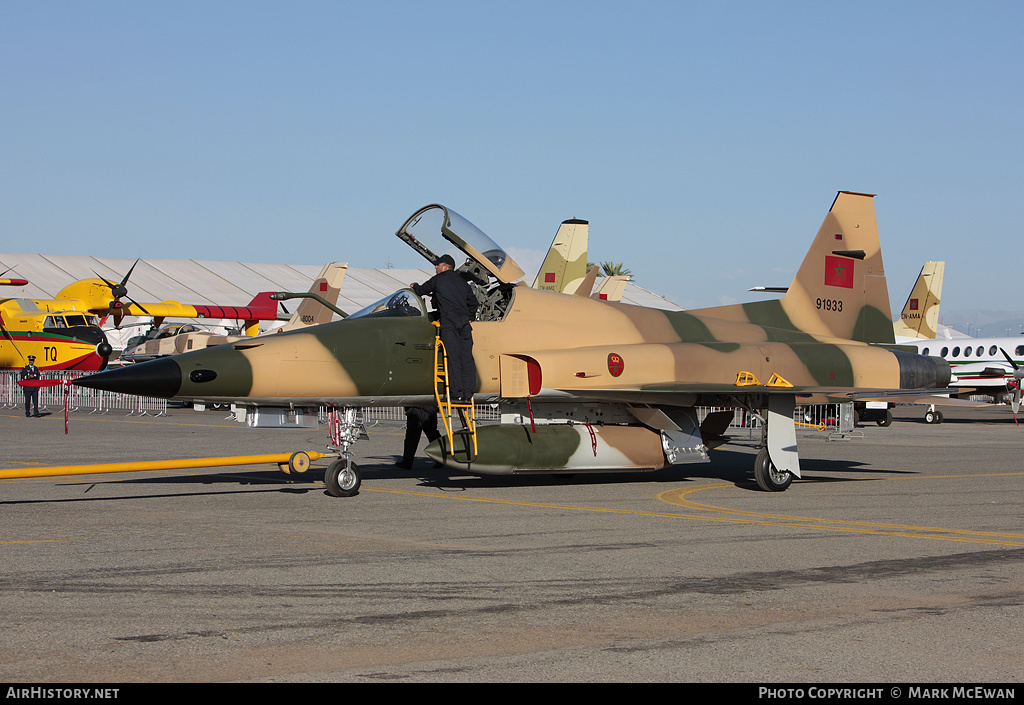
(52, 383)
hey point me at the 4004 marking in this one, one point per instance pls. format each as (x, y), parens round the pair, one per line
(830, 305)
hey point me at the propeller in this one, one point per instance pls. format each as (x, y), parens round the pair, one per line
(1018, 377)
(120, 291)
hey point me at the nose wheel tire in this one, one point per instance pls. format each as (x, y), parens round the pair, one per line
(769, 478)
(342, 479)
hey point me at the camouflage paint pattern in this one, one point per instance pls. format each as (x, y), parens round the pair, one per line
(510, 450)
(815, 340)
(813, 344)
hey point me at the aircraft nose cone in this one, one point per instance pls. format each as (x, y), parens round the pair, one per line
(158, 378)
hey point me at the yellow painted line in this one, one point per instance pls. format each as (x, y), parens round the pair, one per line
(542, 505)
(678, 497)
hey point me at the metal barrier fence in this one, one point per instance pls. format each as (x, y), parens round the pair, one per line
(93, 401)
(484, 412)
(836, 418)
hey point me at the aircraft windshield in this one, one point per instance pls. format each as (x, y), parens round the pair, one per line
(421, 232)
(401, 303)
(70, 320)
(76, 320)
(177, 329)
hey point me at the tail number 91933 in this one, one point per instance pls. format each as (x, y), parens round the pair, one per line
(830, 305)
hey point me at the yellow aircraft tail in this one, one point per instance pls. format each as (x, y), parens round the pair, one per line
(565, 265)
(920, 315)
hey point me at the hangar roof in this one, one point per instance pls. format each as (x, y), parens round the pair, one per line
(208, 283)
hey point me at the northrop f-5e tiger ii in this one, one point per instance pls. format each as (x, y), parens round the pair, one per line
(584, 385)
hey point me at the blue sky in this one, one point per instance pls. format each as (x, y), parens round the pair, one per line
(704, 142)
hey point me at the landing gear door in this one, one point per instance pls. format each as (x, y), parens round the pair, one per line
(425, 228)
(781, 431)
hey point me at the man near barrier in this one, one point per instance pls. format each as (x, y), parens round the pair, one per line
(31, 372)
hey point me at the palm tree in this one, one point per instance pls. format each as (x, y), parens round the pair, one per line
(612, 269)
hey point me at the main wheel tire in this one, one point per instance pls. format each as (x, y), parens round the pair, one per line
(933, 417)
(769, 478)
(342, 479)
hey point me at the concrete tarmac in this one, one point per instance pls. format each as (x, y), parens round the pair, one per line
(899, 558)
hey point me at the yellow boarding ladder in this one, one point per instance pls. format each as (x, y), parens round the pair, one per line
(466, 411)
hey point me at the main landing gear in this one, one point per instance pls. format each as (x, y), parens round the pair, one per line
(778, 441)
(768, 477)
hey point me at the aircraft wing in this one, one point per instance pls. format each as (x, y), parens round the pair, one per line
(261, 308)
(671, 373)
(930, 396)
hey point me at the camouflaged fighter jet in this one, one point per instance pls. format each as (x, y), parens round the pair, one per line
(584, 385)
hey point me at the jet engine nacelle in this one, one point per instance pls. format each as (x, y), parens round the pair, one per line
(556, 448)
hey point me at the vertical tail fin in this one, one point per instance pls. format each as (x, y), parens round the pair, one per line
(565, 265)
(840, 289)
(612, 288)
(311, 312)
(920, 315)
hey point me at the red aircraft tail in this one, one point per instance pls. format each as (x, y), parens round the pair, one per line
(264, 305)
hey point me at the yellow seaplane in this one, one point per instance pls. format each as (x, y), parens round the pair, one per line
(64, 333)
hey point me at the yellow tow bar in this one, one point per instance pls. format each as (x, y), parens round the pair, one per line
(289, 462)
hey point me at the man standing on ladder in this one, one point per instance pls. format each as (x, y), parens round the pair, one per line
(456, 306)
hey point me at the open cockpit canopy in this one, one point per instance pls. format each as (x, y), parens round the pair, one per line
(423, 228)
